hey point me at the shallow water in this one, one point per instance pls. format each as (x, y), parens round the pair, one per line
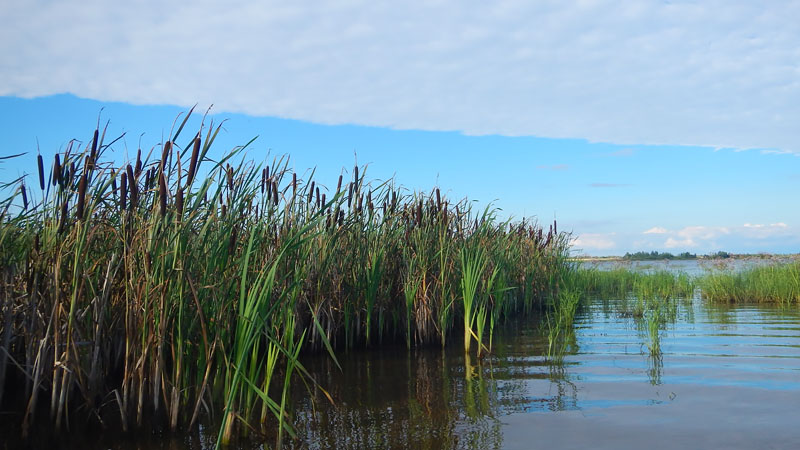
(727, 378)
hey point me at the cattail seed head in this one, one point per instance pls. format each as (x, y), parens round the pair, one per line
(311, 193)
(339, 185)
(323, 200)
(179, 203)
(164, 155)
(123, 194)
(275, 192)
(193, 161)
(349, 194)
(263, 180)
(24, 197)
(41, 170)
(355, 175)
(57, 170)
(138, 164)
(95, 140)
(82, 196)
(162, 194)
(294, 184)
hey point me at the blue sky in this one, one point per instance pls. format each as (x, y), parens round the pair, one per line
(667, 126)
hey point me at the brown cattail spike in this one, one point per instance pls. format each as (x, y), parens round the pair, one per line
(162, 194)
(339, 185)
(164, 155)
(95, 138)
(56, 170)
(41, 170)
(123, 194)
(24, 197)
(179, 203)
(193, 161)
(81, 196)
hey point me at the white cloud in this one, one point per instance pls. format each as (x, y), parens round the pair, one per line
(763, 231)
(702, 232)
(710, 238)
(679, 243)
(716, 73)
(594, 241)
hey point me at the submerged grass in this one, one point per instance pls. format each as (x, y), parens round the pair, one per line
(145, 292)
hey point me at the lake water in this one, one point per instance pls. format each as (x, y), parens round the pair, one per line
(693, 267)
(727, 378)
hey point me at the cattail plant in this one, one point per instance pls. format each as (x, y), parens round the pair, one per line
(190, 298)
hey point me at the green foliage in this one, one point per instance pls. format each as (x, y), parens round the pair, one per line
(768, 284)
(175, 293)
(654, 256)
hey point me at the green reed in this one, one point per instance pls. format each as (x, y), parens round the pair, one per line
(178, 287)
(768, 284)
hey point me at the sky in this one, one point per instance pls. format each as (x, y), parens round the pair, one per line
(650, 125)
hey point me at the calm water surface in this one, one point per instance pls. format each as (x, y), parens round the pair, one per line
(728, 378)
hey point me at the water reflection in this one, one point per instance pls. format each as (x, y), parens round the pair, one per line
(601, 367)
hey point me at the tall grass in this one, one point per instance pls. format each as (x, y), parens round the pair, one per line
(150, 291)
(768, 284)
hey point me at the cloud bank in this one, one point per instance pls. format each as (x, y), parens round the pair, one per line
(716, 73)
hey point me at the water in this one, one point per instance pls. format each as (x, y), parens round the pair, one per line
(693, 267)
(727, 378)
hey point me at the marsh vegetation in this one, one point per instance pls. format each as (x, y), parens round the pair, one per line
(179, 288)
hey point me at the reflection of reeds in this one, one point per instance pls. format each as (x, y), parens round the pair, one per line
(182, 290)
(560, 324)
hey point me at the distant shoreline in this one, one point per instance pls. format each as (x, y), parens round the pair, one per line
(585, 258)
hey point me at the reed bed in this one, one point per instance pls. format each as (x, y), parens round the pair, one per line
(150, 292)
(767, 284)
(621, 283)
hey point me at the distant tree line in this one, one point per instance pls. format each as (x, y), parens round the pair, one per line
(654, 255)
